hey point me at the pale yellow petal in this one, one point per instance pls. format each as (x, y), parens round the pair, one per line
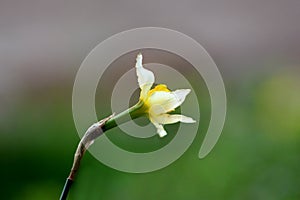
(163, 102)
(171, 119)
(161, 131)
(145, 77)
(181, 94)
(159, 127)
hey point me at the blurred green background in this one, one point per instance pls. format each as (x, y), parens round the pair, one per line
(255, 44)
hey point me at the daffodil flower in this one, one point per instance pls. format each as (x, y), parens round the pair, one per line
(155, 103)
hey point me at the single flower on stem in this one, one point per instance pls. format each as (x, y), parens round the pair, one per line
(158, 101)
(155, 103)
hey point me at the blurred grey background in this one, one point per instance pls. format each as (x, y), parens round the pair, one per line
(256, 46)
(51, 38)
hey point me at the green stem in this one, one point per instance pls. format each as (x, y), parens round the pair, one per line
(125, 116)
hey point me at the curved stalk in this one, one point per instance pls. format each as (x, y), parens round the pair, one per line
(93, 133)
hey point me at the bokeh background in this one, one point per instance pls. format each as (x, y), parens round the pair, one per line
(255, 44)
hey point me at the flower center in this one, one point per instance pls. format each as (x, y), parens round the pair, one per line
(160, 87)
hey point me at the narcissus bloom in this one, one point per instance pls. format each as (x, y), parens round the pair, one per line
(157, 102)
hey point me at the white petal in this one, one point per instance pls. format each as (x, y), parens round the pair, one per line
(171, 119)
(145, 77)
(181, 94)
(163, 102)
(160, 129)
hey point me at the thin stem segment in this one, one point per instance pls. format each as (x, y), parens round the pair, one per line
(132, 113)
(93, 133)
